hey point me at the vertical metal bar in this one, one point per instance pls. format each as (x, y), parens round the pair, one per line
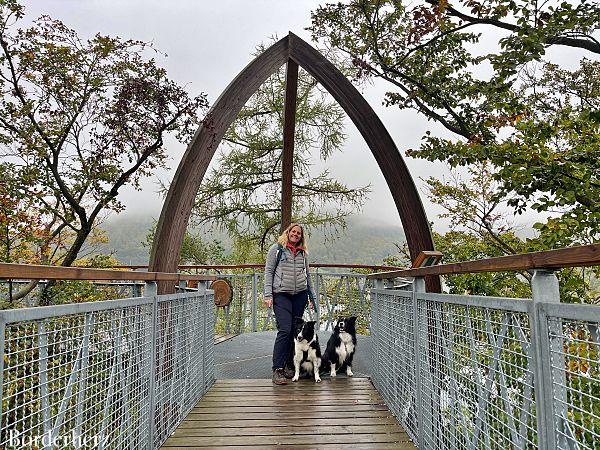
(205, 307)
(115, 372)
(45, 401)
(254, 300)
(289, 128)
(175, 357)
(82, 377)
(241, 325)
(317, 296)
(227, 311)
(333, 304)
(2, 343)
(418, 286)
(375, 336)
(137, 289)
(545, 289)
(150, 291)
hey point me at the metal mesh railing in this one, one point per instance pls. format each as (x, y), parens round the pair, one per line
(344, 294)
(394, 372)
(570, 334)
(112, 374)
(467, 372)
(339, 294)
(70, 291)
(476, 373)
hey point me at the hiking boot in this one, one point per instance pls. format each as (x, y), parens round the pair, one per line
(279, 377)
(289, 372)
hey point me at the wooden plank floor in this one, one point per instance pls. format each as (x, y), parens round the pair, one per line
(337, 413)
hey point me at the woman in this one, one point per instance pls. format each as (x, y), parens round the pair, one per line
(287, 288)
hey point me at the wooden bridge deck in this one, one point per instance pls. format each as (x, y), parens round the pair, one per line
(337, 413)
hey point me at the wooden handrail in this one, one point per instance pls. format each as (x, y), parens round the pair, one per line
(583, 256)
(262, 266)
(36, 272)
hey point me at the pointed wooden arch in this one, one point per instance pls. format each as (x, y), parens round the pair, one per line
(180, 198)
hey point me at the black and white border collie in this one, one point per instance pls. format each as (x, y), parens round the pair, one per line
(307, 351)
(341, 346)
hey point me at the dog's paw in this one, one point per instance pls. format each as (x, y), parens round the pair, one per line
(349, 372)
(332, 375)
(295, 378)
(317, 379)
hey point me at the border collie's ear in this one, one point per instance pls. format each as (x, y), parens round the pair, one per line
(352, 320)
(298, 320)
(312, 322)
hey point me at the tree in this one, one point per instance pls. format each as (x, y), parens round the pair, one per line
(535, 122)
(482, 226)
(194, 249)
(242, 195)
(79, 120)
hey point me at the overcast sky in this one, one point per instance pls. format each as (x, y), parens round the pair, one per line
(207, 44)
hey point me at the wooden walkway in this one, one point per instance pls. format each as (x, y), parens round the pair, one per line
(337, 413)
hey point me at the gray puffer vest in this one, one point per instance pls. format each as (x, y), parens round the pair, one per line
(290, 275)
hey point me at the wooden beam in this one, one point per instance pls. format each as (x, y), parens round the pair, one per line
(584, 256)
(182, 192)
(381, 144)
(178, 205)
(262, 266)
(37, 272)
(289, 128)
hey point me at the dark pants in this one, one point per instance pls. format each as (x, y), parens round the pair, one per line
(286, 307)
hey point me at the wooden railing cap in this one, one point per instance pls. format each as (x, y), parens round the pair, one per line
(583, 256)
(38, 272)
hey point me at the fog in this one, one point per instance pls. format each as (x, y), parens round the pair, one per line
(206, 44)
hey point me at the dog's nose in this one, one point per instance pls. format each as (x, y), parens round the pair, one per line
(299, 337)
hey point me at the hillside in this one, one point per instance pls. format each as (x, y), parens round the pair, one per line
(363, 242)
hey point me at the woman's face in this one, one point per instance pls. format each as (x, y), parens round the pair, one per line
(295, 234)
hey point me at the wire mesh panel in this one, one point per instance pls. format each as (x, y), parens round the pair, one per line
(393, 355)
(338, 295)
(468, 380)
(477, 376)
(183, 365)
(69, 291)
(76, 378)
(574, 345)
(79, 376)
(343, 295)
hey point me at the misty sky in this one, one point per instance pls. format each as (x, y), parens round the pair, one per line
(207, 44)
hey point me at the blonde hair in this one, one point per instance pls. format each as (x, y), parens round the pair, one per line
(283, 239)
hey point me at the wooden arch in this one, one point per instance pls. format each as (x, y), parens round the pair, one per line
(180, 198)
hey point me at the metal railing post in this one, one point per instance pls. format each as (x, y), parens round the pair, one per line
(2, 343)
(205, 306)
(83, 374)
(317, 296)
(254, 300)
(137, 289)
(545, 289)
(150, 291)
(418, 286)
(43, 376)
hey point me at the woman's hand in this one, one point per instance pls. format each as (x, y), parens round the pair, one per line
(268, 301)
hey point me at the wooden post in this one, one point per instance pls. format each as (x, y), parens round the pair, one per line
(289, 128)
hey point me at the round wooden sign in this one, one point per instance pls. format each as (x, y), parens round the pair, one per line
(223, 292)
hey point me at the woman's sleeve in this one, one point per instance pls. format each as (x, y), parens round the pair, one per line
(269, 269)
